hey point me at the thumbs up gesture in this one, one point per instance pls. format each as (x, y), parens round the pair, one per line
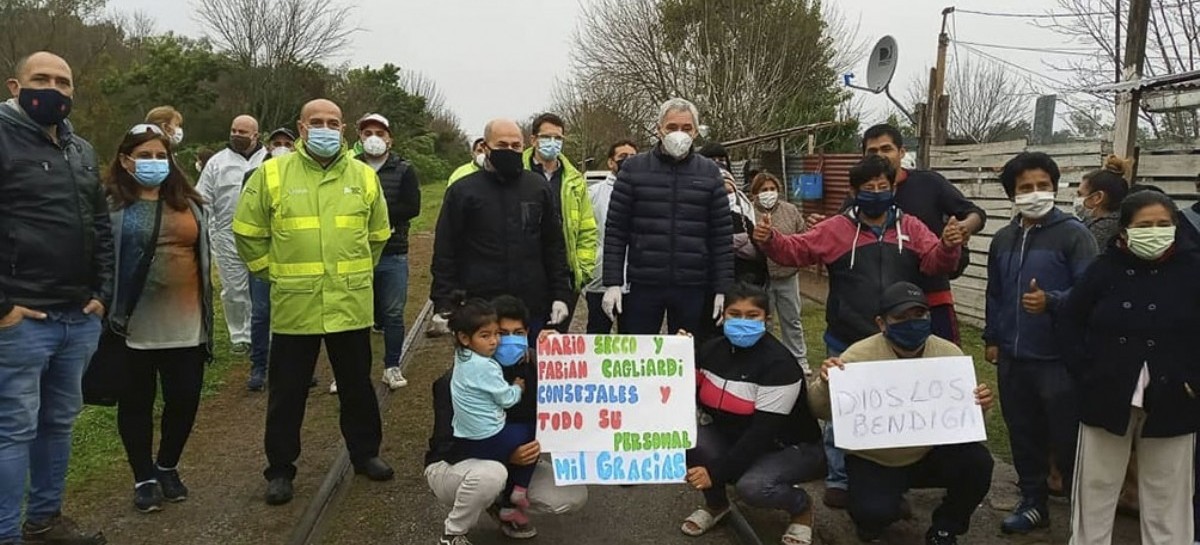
(762, 231)
(1034, 300)
(953, 235)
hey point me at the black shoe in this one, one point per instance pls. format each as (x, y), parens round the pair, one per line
(940, 537)
(279, 491)
(375, 469)
(59, 530)
(148, 497)
(173, 489)
(258, 379)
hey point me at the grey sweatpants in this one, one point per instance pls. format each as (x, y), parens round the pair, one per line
(784, 297)
(472, 485)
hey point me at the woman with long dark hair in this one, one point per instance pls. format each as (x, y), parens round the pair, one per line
(163, 307)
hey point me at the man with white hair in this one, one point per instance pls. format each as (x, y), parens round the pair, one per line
(669, 211)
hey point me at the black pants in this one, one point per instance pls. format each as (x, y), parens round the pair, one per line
(292, 361)
(1039, 405)
(644, 307)
(598, 322)
(181, 371)
(876, 491)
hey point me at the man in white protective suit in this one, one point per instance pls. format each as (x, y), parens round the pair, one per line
(221, 185)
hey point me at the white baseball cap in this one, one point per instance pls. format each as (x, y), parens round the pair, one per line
(375, 118)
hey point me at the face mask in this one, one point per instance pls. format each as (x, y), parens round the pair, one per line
(374, 146)
(481, 160)
(677, 144)
(619, 163)
(280, 151)
(1081, 210)
(240, 144)
(45, 106)
(151, 172)
(511, 349)
(744, 332)
(549, 148)
(1035, 205)
(1150, 243)
(323, 142)
(909, 334)
(872, 204)
(734, 206)
(177, 137)
(507, 163)
(768, 199)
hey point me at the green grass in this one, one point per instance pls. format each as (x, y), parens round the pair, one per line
(813, 318)
(431, 204)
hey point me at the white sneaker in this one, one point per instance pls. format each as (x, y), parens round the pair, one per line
(333, 386)
(393, 378)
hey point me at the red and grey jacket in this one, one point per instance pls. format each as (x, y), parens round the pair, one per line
(757, 400)
(862, 262)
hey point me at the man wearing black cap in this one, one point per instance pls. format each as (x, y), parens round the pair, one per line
(879, 478)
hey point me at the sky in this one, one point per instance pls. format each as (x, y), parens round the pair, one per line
(501, 59)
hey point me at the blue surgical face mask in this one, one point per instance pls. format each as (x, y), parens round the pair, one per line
(323, 142)
(151, 172)
(511, 349)
(872, 204)
(549, 148)
(744, 332)
(910, 334)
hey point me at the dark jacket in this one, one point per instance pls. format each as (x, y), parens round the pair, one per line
(1126, 312)
(1055, 252)
(402, 192)
(497, 237)
(442, 445)
(1104, 228)
(673, 218)
(757, 400)
(56, 246)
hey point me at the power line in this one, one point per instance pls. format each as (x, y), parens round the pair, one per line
(1030, 15)
(1077, 52)
(1064, 86)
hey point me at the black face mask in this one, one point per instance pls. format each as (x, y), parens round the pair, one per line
(240, 144)
(507, 163)
(619, 163)
(45, 106)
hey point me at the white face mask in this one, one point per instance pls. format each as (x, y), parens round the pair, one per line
(280, 151)
(480, 160)
(677, 144)
(768, 199)
(1035, 205)
(178, 136)
(733, 203)
(374, 146)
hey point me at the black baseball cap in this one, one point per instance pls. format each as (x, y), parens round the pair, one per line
(281, 130)
(900, 297)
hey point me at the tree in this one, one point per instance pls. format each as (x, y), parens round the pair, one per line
(988, 102)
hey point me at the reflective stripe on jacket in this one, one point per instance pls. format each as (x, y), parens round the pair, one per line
(578, 221)
(316, 233)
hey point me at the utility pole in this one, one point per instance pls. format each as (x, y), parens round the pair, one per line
(935, 108)
(1128, 102)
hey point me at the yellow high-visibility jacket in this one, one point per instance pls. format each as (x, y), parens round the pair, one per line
(316, 233)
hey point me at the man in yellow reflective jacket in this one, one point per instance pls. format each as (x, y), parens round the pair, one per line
(314, 224)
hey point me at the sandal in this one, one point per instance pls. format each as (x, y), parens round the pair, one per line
(701, 521)
(797, 534)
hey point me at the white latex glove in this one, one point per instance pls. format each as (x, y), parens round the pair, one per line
(611, 303)
(558, 312)
(719, 308)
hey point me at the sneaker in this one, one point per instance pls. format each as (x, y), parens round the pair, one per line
(837, 498)
(454, 540)
(333, 387)
(240, 349)
(172, 486)
(512, 529)
(1028, 516)
(393, 377)
(940, 537)
(257, 381)
(148, 497)
(59, 530)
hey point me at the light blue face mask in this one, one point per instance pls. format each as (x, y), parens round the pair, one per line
(323, 142)
(511, 349)
(549, 148)
(744, 332)
(151, 172)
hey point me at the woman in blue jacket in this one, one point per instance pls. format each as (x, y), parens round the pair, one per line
(1128, 332)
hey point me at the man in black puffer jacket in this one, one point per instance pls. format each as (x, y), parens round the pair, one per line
(669, 214)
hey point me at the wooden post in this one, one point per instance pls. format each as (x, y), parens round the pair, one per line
(939, 83)
(1125, 131)
(924, 136)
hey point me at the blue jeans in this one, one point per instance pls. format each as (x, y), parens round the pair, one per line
(260, 323)
(41, 371)
(835, 458)
(391, 292)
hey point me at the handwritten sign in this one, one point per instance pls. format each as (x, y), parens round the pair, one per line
(910, 403)
(616, 409)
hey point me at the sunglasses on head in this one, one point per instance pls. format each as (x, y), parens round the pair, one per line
(142, 128)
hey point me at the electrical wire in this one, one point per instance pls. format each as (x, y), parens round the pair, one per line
(1029, 15)
(1065, 87)
(1077, 52)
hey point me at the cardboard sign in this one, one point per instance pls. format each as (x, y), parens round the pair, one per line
(616, 409)
(909, 403)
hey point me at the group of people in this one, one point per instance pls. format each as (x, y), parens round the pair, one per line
(1086, 320)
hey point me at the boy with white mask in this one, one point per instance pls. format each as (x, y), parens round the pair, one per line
(1033, 263)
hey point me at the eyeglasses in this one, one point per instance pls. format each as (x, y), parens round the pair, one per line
(143, 128)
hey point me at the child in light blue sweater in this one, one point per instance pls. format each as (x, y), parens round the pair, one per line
(480, 396)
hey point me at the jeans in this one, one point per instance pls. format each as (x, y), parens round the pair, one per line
(598, 322)
(835, 458)
(391, 292)
(293, 358)
(771, 480)
(784, 297)
(41, 371)
(877, 491)
(644, 307)
(260, 324)
(181, 371)
(1039, 406)
(500, 447)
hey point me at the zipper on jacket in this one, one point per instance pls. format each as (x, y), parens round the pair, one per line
(671, 233)
(1020, 288)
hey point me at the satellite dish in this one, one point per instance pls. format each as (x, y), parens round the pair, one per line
(882, 65)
